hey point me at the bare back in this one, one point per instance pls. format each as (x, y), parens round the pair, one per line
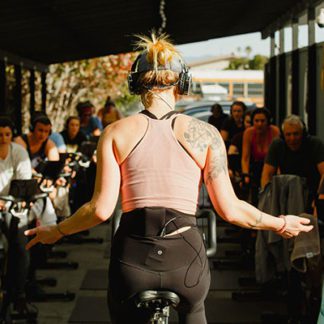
(194, 135)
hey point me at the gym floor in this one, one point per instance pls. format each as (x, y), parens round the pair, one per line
(88, 256)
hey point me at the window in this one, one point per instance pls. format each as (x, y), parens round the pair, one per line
(224, 85)
(255, 89)
(238, 89)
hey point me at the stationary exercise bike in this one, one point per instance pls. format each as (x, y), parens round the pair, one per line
(158, 302)
(21, 195)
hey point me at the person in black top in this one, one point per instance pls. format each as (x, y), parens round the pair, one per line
(72, 135)
(233, 124)
(37, 141)
(234, 151)
(295, 153)
(217, 118)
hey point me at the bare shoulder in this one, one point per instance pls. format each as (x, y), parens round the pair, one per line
(275, 129)
(19, 140)
(125, 125)
(248, 132)
(197, 133)
(123, 135)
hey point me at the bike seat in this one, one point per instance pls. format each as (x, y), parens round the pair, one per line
(156, 298)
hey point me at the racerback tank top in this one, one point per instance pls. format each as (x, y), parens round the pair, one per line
(159, 172)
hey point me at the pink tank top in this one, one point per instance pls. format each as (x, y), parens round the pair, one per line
(257, 154)
(159, 172)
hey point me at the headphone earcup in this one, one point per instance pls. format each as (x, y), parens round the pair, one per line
(133, 83)
(185, 81)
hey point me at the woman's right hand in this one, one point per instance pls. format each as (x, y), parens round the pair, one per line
(295, 225)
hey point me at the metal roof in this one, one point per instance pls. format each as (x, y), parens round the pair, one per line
(52, 31)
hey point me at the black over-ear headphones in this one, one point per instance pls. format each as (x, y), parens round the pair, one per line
(263, 111)
(141, 65)
(5, 121)
(39, 117)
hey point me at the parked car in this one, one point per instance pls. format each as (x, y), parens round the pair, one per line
(202, 109)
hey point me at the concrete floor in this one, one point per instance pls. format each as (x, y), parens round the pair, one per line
(89, 256)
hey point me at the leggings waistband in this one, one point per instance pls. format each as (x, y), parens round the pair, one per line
(154, 221)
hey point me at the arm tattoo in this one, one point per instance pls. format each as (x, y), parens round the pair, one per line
(200, 136)
(257, 221)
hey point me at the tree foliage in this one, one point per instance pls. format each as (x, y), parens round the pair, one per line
(92, 79)
(68, 83)
(244, 63)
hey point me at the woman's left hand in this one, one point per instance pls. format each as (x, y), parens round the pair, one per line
(44, 234)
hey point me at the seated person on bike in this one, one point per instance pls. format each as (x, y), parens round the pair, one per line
(37, 141)
(14, 165)
(156, 159)
(235, 147)
(295, 152)
(72, 135)
(109, 113)
(40, 148)
(217, 117)
(256, 143)
(90, 125)
(233, 124)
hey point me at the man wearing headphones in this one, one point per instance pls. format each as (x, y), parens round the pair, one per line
(295, 153)
(37, 141)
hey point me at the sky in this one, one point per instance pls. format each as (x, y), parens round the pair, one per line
(228, 45)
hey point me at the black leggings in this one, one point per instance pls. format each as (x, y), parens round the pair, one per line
(143, 259)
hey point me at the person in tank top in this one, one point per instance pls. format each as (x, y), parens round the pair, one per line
(37, 142)
(158, 159)
(256, 142)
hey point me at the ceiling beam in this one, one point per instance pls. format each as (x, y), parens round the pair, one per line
(288, 17)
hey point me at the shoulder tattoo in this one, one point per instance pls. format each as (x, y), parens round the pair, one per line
(200, 136)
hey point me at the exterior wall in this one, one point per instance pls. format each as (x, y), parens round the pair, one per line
(244, 78)
(221, 65)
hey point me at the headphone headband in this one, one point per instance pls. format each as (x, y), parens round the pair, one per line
(141, 65)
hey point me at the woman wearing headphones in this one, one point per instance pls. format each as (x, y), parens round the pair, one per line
(256, 143)
(156, 159)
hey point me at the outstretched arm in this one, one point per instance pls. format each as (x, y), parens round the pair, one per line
(101, 206)
(236, 211)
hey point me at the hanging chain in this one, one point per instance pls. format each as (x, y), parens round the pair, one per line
(163, 17)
